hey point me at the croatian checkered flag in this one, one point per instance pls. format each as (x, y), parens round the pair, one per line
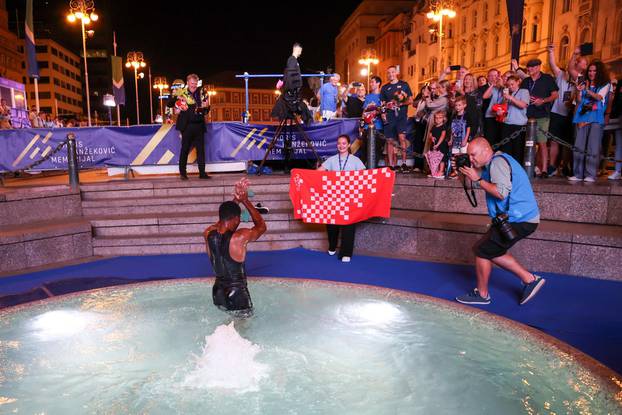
(341, 197)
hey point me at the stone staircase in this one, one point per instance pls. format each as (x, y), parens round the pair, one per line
(169, 216)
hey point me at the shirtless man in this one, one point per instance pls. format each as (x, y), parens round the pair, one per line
(226, 247)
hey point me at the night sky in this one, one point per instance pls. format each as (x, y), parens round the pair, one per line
(205, 37)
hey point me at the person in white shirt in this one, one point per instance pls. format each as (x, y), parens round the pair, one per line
(342, 161)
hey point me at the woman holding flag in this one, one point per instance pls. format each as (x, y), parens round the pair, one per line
(342, 161)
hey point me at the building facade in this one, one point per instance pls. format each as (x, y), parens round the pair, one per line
(229, 103)
(11, 50)
(60, 80)
(478, 37)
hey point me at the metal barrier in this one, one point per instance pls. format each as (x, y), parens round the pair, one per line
(246, 76)
(530, 148)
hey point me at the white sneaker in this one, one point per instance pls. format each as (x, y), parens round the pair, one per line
(345, 259)
(589, 180)
(574, 179)
(331, 253)
(615, 176)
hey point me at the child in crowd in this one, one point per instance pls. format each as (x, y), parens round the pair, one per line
(438, 154)
(460, 129)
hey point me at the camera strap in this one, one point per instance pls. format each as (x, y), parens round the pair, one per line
(470, 197)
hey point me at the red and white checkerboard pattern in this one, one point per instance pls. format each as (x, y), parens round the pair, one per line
(340, 197)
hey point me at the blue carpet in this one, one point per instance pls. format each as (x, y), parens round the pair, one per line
(582, 312)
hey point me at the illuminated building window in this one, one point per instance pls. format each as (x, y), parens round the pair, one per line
(566, 5)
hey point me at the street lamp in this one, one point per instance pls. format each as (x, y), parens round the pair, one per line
(109, 102)
(136, 60)
(437, 13)
(161, 84)
(84, 10)
(369, 57)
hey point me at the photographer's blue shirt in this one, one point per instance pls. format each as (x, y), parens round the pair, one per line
(512, 182)
(328, 97)
(595, 109)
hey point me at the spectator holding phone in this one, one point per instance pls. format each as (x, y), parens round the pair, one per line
(492, 95)
(589, 118)
(355, 101)
(543, 91)
(517, 100)
(561, 113)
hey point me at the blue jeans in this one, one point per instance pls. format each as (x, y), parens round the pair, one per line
(589, 139)
(618, 135)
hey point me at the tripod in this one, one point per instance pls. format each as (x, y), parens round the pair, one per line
(287, 122)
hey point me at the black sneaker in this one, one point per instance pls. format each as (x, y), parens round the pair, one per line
(262, 209)
(183, 177)
(531, 289)
(204, 176)
(473, 297)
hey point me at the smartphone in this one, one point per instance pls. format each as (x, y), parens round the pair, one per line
(587, 49)
(580, 80)
(356, 84)
(455, 67)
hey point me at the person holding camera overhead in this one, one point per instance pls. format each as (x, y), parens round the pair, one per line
(514, 212)
(589, 118)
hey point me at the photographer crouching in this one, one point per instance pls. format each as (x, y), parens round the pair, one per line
(514, 212)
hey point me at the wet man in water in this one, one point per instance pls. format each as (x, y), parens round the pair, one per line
(226, 247)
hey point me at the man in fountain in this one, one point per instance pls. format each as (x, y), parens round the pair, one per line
(226, 247)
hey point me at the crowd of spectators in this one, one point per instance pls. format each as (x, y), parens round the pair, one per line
(576, 104)
(37, 119)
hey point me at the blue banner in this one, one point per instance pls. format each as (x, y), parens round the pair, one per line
(160, 145)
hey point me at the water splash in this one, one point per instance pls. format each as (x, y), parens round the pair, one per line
(227, 362)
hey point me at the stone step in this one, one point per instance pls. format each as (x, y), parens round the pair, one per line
(173, 200)
(561, 247)
(172, 208)
(197, 238)
(260, 245)
(175, 189)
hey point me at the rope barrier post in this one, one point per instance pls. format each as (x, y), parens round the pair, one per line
(72, 162)
(371, 147)
(246, 116)
(530, 148)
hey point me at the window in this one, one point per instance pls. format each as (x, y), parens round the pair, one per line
(43, 64)
(54, 52)
(56, 82)
(563, 50)
(473, 55)
(44, 95)
(566, 5)
(47, 110)
(265, 99)
(57, 95)
(370, 40)
(464, 24)
(524, 32)
(235, 98)
(61, 54)
(485, 14)
(55, 66)
(462, 57)
(484, 51)
(585, 35)
(498, 8)
(44, 80)
(433, 65)
(534, 32)
(450, 31)
(475, 18)
(227, 114)
(265, 115)
(41, 49)
(255, 98)
(496, 47)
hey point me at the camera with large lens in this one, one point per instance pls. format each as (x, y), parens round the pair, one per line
(462, 160)
(505, 228)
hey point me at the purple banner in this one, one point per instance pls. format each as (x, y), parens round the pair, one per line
(160, 145)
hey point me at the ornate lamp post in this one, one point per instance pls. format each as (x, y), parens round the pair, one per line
(161, 84)
(136, 60)
(437, 12)
(84, 10)
(369, 57)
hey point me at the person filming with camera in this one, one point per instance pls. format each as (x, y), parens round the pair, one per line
(514, 212)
